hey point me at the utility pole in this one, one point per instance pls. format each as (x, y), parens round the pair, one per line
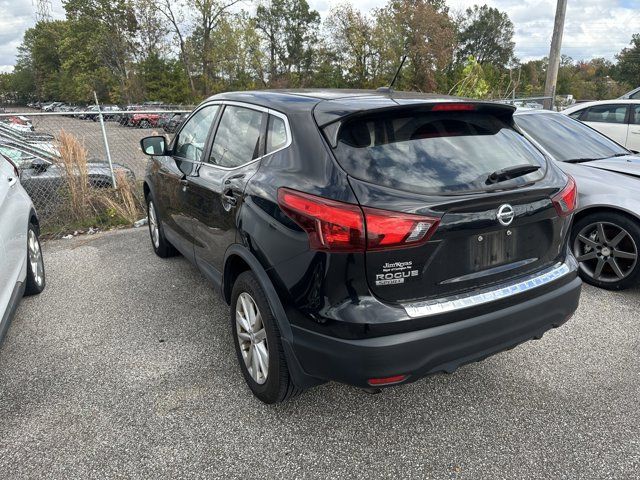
(554, 55)
(43, 10)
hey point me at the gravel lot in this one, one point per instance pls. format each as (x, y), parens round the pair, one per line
(124, 367)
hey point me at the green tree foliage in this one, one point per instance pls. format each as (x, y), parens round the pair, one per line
(473, 83)
(290, 31)
(628, 68)
(486, 33)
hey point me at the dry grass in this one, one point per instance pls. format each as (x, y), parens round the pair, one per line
(86, 204)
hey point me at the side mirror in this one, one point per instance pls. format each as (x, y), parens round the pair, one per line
(156, 145)
(39, 165)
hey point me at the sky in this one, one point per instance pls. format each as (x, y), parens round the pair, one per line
(593, 28)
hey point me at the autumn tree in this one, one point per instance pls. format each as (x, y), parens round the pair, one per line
(486, 34)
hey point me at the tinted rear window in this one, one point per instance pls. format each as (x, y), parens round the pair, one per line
(434, 152)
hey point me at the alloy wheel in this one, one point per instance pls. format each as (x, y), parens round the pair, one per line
(252, 338)
(35, 258)
(606, 252)
(154, 229)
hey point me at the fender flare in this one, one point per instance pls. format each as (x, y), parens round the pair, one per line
(300, 378)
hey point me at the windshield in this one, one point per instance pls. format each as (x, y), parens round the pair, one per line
(435, 152)
(566, 139)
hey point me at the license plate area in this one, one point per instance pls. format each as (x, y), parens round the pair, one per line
(492, 248)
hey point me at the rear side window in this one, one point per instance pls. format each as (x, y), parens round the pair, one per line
(636, 117)
(434, 152)
(276, 134)
(606, 114)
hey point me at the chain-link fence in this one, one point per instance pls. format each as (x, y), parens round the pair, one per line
(55, 151)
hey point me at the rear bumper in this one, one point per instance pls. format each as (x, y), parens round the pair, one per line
(439, 348)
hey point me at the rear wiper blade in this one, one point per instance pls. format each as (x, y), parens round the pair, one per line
(511, 172)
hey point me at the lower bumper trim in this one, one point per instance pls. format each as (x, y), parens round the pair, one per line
(425, 309)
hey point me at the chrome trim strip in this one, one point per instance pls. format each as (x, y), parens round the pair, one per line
(435, 307)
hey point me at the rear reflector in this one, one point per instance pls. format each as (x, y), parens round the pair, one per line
(344, 227)
(453, 107)
(377, 382)
(567, 200)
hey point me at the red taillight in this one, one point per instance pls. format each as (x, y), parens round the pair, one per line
(331, 225)
(387, 229)
(339, 226)
(453, 107)
(567, 200)
(377, 382)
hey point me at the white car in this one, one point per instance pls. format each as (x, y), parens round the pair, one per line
(617, 119)
(21, 263)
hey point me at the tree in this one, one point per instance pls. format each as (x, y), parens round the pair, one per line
(486, 33)
(473, 83)
(423, 31)
(350, 39)
(290, 34)
(628, 69)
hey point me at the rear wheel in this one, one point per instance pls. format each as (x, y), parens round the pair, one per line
(36, 280)
(607, 246)
(161, 246)
(257, 342)
(145, 124)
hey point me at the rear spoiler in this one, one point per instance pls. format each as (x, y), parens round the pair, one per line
(331, 127)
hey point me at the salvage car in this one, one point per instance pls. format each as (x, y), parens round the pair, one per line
(605, 236)
(370, 238)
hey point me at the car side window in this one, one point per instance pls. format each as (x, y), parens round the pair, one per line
(635, 96)
(276, 134)
(20, 158)
(635, 119)
(192, 138)
(606, 114)
(237, 140)
(576, 115)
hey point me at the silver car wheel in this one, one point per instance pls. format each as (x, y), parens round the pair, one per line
(35, 258)
(154, 229)
(252, 338)
(606, 252)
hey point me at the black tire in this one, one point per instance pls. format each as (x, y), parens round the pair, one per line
(144, 124)
(36, 281)
(278, 386)
(162, 247)
(592, 251)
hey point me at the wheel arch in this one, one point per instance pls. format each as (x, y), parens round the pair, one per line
(594, 209)
(239, 256)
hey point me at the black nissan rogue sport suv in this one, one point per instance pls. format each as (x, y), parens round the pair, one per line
(369, 238)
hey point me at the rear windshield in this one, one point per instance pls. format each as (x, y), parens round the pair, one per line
(434, 152)
(566, 139)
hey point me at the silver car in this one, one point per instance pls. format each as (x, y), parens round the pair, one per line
(21, 263)
(605, 235)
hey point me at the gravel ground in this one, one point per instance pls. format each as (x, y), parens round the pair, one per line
(124, 367)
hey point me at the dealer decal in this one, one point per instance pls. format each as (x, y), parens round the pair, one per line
(395, 273)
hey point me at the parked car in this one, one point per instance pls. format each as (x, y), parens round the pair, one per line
(174, 122)
(605, 236)
(49, 107)
(617, 119)
(633, 94)
(144, 120)
(42, 178)
(21, 261)
(366, 238)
